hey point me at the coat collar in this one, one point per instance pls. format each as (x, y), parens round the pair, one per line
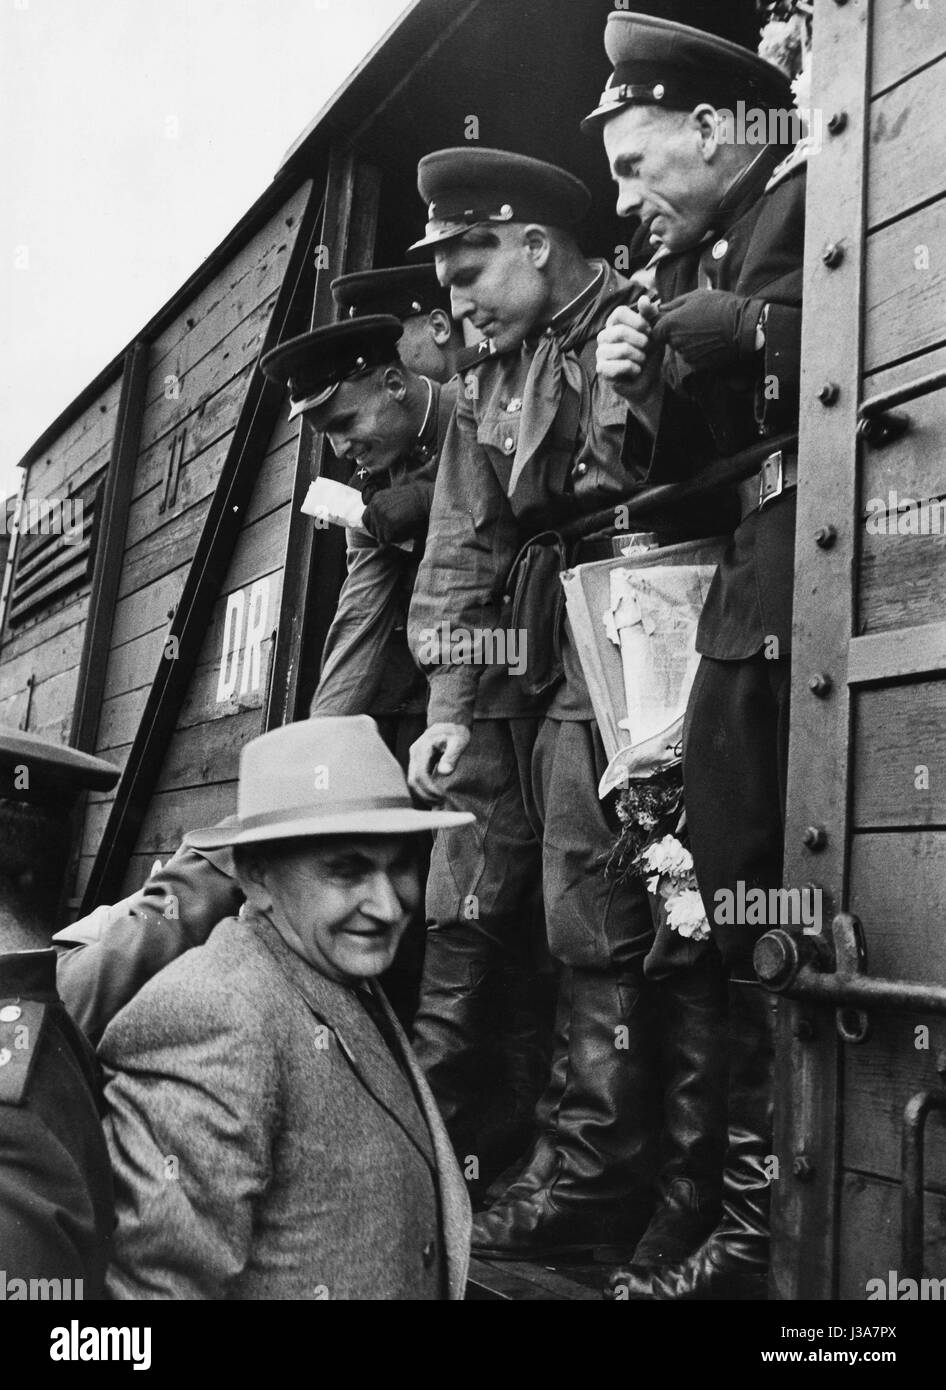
(408, 1101)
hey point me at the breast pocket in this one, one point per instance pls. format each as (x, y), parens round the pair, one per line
(500, 436)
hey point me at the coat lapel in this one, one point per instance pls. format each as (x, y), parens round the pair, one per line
(357, 1035)
(454, 1197)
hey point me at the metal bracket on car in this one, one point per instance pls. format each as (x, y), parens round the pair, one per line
(835, 972)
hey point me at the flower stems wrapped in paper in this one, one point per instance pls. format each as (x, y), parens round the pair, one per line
(633, 620)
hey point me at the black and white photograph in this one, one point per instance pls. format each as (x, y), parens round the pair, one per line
(472, 702)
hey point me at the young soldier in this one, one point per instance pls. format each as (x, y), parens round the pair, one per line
(538, 439)
(709, 373)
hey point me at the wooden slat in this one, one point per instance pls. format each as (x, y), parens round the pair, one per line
(904, 308)
(807, 1072)
(880, 1077)
(905, 38)
(900, 738)
(912, 651)
(110, 525)
(907, 149)
(897, 882)
(870, 1222)
(210, 563)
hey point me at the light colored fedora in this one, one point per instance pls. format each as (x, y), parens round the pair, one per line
(323, 776)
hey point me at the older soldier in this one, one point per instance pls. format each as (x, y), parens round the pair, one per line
(709, 373)
(56, 1209)
(536, 439)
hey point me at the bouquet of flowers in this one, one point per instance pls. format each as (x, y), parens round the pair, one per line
(649, 812)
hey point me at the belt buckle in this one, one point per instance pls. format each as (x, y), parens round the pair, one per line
(770, 479)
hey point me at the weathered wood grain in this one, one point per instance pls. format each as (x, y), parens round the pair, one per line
(907, 150)
(880, 1076)
(900, 761)
(870, 1235)
(904, 299)
(896, 889)
(904, 38)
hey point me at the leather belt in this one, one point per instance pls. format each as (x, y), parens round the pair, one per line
(779, 473)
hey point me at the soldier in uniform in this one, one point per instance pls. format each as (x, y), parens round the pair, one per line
(56, 1205)
(538, 439)
(711, 371)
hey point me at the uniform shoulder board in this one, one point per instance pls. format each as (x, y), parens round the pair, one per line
(21, 1023)
(791, 164)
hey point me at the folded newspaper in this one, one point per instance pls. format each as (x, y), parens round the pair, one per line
(633, 621)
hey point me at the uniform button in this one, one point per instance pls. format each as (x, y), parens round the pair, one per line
(509, 443)
(10, 1013)
(581, 469)
(429, 1252)
(5, 1056)
(719, 249)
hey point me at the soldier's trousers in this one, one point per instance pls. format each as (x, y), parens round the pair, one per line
(734, 770)
(534, 783)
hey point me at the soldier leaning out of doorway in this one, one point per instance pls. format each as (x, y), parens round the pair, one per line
(538, 440)
(697, 372)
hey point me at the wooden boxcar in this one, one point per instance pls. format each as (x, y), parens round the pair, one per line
(187, 612)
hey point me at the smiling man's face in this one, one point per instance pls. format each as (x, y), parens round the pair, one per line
(667, 171)
(366, 423)
(341, 904)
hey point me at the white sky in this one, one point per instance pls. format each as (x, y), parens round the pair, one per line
(112, 213)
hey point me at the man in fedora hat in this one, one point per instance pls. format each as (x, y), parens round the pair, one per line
(270, 1133)
(56, 1209)
(705, 374)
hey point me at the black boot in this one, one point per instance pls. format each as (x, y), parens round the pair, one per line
(694, 1047)
(588, 1180)
(470, 989)
(733, 1262)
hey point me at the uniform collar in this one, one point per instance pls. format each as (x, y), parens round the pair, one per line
(28, 974)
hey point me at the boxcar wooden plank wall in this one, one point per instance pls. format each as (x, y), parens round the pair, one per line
(898, 845)
(199, 371)
(41, 654)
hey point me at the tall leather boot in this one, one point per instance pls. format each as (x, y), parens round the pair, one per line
(460, 1039)
(589, 1178)
(536, 1163)
(732, 1263)
(694, 1047)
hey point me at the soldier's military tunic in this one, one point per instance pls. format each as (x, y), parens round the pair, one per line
(518, 461)
(56, 1205)
(366, 665)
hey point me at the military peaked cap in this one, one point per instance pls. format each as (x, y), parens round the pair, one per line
(660, 63)
(469, 187)
(315, 364)
(43, 773)
(401, 290)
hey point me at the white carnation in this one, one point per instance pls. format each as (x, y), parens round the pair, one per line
(667, 856)
(685, 914)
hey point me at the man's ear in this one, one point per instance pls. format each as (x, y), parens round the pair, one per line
(251, 876)
(711, 128)
(538, 244)
(441, 326)
(394, 381)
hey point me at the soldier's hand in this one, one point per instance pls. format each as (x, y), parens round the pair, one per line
(627, 355)
(710, 329)
(435, 754)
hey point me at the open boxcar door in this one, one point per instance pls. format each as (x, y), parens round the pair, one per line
(863, 1037)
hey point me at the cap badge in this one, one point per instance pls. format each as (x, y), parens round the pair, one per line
(505, 212)
(659, 91)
